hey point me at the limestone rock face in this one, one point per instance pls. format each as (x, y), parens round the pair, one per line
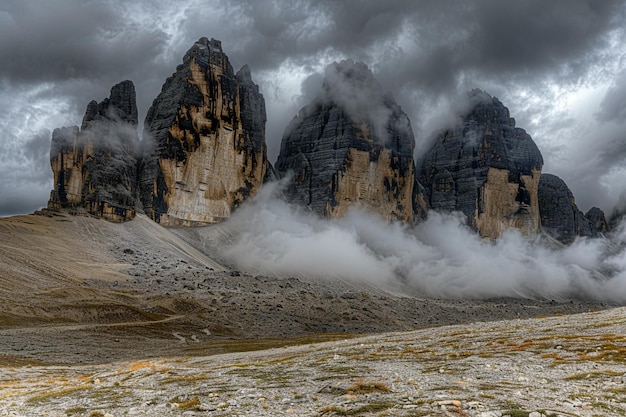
(352, 144)
(560, 217)
(205, 141)
(95, 167)
(487, 169)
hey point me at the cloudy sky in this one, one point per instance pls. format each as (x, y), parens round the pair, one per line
(559, 65)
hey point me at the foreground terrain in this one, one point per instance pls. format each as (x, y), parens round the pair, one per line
(136, 319)
(558, 366)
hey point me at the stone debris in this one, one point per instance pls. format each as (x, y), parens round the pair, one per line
(498, 369)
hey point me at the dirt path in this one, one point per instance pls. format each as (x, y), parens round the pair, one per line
(86, 326)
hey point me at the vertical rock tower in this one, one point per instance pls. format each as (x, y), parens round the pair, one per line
(560, 217)
(352, 144)
(486, 168)
(95, 167)
(205, 132)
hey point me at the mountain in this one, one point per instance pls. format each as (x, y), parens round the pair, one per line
(204, 153)
(95, 167)
(352, 144)
(597, 219)
(560, 217)
(486, 168)
(204, 150)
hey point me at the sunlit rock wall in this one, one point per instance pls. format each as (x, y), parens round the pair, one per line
(205, 149)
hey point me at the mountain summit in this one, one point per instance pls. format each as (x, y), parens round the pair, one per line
(486, 168)
(351, 144)
(95, 168)
(205, 135)
(204, 153)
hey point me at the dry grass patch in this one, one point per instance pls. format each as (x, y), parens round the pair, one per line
(590, 375)
(367, 387)
(58, 393)
(140, 365)
(192, 404)
(369, 408)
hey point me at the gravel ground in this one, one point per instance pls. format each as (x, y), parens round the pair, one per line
(557, 366)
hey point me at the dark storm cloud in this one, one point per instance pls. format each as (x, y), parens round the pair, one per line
(54, 40)
(613, 107)
(425, 52)
(438, 39)
(64, 53)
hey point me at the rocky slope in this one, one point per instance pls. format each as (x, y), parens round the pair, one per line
(352, 144)
(560, 217)
(95, 167)
(205, 140)
(486, 168)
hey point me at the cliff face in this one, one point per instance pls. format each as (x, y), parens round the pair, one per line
(95, 167)
(486, 168)
(597, 219)
(205, 136)
(352, 144)
(560, 217)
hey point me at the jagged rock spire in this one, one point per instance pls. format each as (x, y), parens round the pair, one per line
(351, 144)
(95, 167)
(205, 137)
(486, 168)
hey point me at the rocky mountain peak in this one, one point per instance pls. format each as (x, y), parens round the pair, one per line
(206, 140)
(351, 144)
(207, 52)
(352, 87)
(120, 106)
(95, 168)
(597, 219)
(560, 217)
(486, 168)
(349, 78)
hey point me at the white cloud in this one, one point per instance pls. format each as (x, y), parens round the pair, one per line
(440, 257)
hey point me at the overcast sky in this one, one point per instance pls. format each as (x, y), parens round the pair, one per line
(559, 66)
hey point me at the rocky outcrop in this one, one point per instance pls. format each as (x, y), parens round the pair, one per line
(205, 140)
(597, 219)
(95, 167)
(560, 217)
(352, 144)
(486, 168)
